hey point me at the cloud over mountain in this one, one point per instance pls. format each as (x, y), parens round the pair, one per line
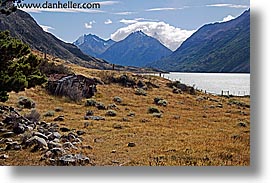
(170, 36)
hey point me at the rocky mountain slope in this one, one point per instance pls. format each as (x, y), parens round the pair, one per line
(217, 47)
(137, 49)
(23, 26)
(93, 45)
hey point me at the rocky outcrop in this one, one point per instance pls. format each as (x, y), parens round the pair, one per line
(74, 87)
(18, 133)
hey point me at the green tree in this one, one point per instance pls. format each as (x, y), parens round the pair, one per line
(19, 68)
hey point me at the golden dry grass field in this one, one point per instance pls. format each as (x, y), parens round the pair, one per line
(194, 130)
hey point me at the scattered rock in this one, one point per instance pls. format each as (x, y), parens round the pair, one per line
(90, 102)
(35, 140)
(112, 106)
(19, 128)
(131, 114)
(176, 117)
(242, 124)
(54, 135)
(157, 115)
(117, 126)
(70, 159)
(113, 151)
(89, 113)
(144, 120)
(13, 146)
(111, 113)
(87, 147)
(64, 129)
(79, 132)
(59, 118)
(100, 106)
(52, 145)
(176, 90)
(69, 145)
(49, 114)
(131, 144)
(125, 119)
(140, 91)
(58, 109)
(117, 100)
(41, 135)
(152, 110)
(8, 134)
(96, 118)
(4, 156)
(160, 101)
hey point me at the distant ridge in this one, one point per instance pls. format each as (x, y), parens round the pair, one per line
(93, 45)
(138, 49)
(216, 47)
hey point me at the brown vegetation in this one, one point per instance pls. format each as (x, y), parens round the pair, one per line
(193, 129)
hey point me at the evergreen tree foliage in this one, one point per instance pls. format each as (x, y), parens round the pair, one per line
(19, 68)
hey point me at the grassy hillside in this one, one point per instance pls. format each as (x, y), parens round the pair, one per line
(198, 129)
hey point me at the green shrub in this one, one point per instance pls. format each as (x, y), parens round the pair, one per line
(18, 66)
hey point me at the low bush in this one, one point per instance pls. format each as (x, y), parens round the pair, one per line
(25, 102)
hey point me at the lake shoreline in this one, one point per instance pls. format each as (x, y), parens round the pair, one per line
(235, 84)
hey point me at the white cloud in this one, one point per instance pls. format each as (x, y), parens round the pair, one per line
(107, 22)
(227, 18)
(106, 3)
(89, 25)
(229, 5)
(168, 35)
(125, 21)
(163, 9)
(132, 21)
(124, 13)
(46, 28)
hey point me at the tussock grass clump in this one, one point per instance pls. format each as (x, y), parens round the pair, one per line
(238, 103)
(58, 109)
(49, 114)
(33, 116)
(140, 91)
(25, 102)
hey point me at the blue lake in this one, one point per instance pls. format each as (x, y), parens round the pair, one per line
(236, 84)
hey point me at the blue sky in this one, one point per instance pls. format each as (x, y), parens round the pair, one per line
(175, 16)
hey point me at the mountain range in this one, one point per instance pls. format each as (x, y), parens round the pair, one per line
(23, 26)
(217, 47)
(138, 49)
(93, 45)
